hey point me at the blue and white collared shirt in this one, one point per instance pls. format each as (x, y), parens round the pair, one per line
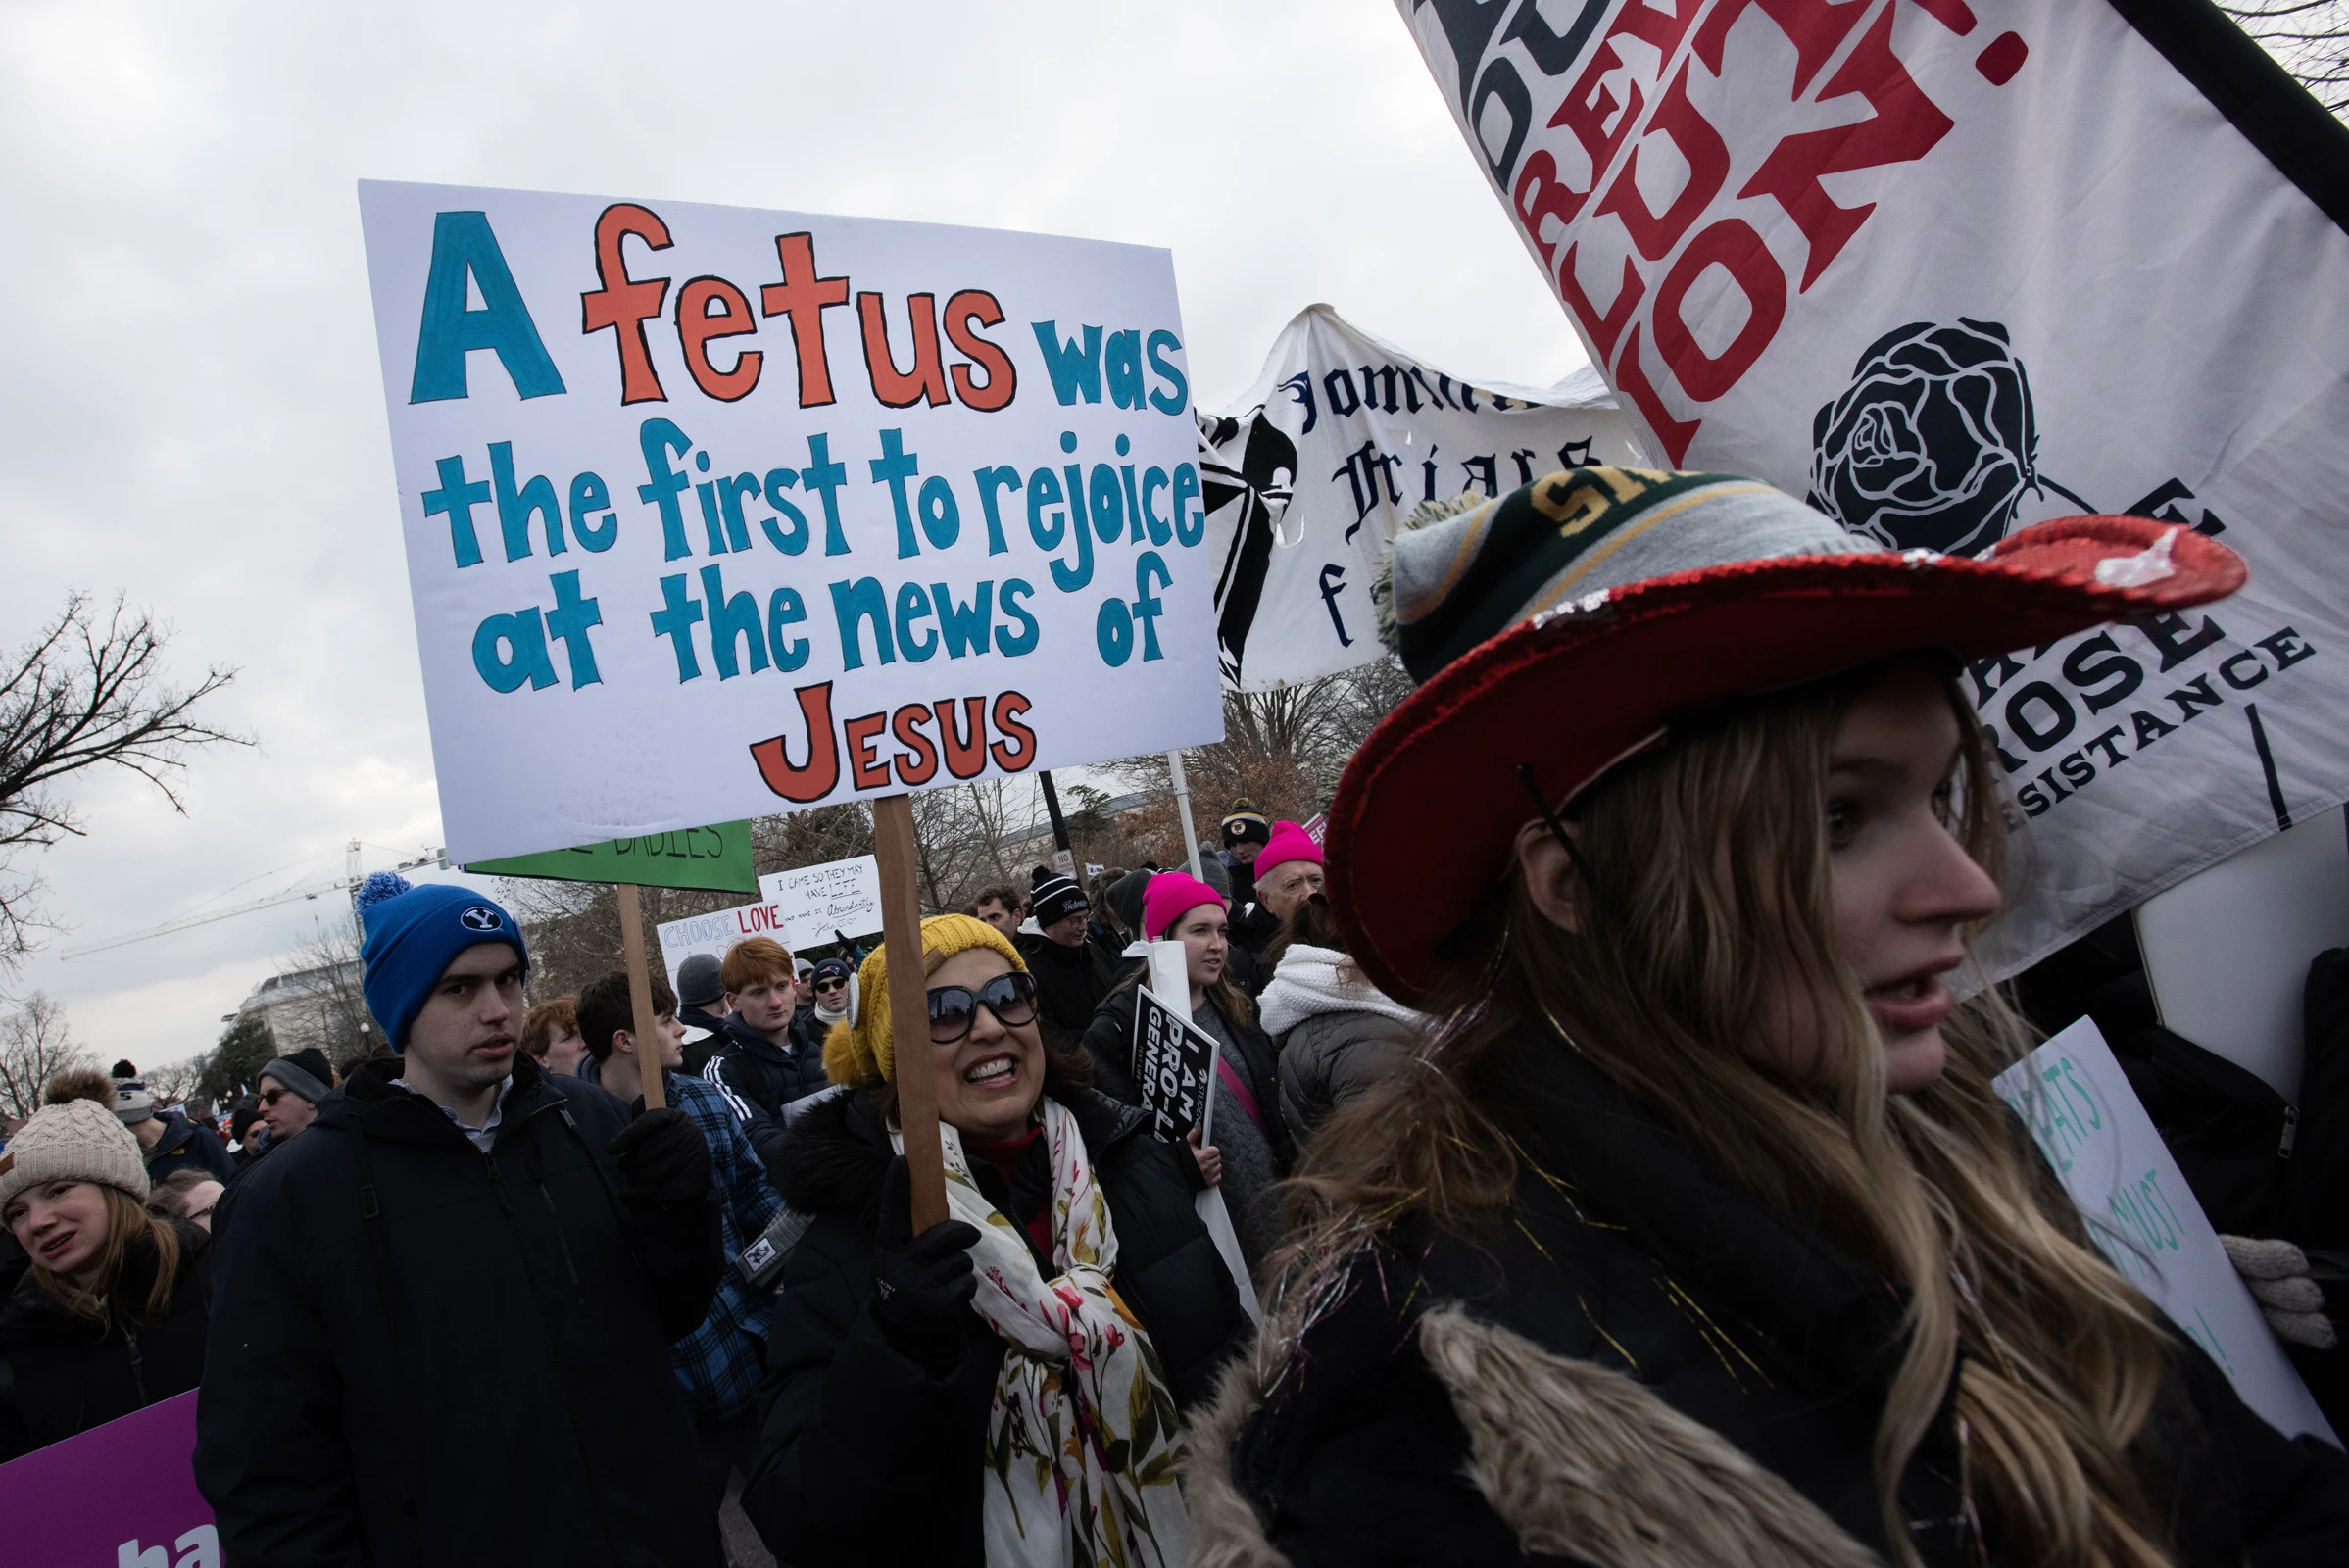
(483, 1136)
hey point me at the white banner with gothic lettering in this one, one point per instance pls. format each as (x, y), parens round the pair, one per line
(1951, 266)
(1310, 473)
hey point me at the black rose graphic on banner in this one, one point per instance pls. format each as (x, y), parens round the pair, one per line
(1935, 444)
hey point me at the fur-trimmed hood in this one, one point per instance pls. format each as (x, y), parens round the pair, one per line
(1577, 1459)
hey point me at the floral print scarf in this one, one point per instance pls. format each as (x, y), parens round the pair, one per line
(1080, 1451)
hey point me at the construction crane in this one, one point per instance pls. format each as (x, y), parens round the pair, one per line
(347, 884)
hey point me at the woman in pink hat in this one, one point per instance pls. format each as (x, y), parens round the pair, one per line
(1251, 1150)
(1697, 1233)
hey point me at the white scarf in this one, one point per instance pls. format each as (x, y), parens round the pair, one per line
(1079, 1378)
(1312, 981)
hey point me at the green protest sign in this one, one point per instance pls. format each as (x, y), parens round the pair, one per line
(716, 857)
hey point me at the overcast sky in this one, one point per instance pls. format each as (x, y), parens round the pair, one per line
(192, 406)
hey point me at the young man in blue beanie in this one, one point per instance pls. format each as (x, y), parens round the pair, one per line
(431, 1310)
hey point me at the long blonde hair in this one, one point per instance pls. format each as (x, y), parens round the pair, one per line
(127, 1220)
(1710, 859)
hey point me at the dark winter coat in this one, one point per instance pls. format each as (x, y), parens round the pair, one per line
(759, 1078)
(1109, 940)
(700, 1048)
(1634, 1351)
(853, 1431)
(60, 1374)
(1070, 983)
(426, 1355)
(184, 1145)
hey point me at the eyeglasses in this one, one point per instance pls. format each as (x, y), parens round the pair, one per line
(831, 985)
(954, 1010)
(270, 1096)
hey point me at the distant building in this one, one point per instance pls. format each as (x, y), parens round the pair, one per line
(319, 1006)
(1036, 838)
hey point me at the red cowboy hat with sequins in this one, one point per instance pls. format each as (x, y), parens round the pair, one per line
(1557, 628)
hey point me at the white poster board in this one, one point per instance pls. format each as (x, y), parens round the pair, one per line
(713, 934)
(714, 512)
(2228, 950)
(1948, 270)
(2097, 1137)
(818, 902)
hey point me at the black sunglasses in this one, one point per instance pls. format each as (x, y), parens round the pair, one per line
(1010, 996)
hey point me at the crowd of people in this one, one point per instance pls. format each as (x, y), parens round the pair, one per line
(1614, 1176)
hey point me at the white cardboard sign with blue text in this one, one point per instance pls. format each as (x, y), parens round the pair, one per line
(714, 512)
(2102, 1145)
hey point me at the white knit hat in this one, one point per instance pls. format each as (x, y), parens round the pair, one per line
(77, 1142)
(132, 1103)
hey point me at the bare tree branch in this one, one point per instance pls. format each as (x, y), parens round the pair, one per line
(81, 693)
(36, 1044)
(2310, 38)
(173, 1082)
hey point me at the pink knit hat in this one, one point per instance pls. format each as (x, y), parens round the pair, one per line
(1169, 897)
(1289, 843)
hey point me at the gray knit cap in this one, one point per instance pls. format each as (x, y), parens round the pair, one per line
(81, 1140)
(300, 1080)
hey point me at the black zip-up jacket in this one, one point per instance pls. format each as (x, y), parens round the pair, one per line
(60, 1374)
(699, 1051)
(865, 1458)
(1070, 983)
(426, 1355)
(759, 1078)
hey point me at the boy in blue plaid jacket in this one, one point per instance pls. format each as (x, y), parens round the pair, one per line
(719, 1363)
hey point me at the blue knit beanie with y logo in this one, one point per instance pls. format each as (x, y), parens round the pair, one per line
(414, 934)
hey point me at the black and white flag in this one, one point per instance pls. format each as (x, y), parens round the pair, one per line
(1310, 473)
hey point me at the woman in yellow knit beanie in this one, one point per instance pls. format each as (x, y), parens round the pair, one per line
(1022, 1367)
(859, 1050)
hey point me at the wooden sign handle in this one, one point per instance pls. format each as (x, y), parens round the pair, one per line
(640, 996)
(909, 1007)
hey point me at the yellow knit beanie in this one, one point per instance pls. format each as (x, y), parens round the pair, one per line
(859, 1050)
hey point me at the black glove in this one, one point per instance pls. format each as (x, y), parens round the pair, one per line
(662, 1159)
(922, 1285)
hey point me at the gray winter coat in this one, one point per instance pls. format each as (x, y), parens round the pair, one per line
(1332, 1057)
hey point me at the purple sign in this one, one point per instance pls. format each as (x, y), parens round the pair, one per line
(121, 1496)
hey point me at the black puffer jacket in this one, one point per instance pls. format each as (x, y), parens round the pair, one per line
(758, 1077)
(1626, 1295)
(60, 1374)
(424, 1355)
(852, 1430)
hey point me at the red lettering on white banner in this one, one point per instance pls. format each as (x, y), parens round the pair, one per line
(1596, 197)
